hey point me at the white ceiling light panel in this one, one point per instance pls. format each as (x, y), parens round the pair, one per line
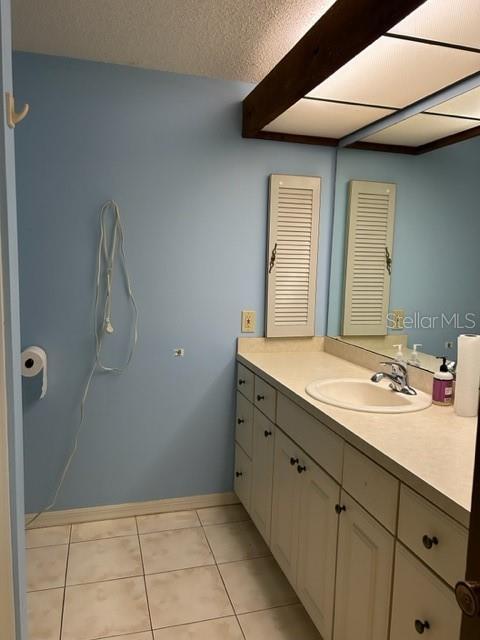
(467, 105)
(324, 119)
(451, 21)
(395, 73)
(421, 129)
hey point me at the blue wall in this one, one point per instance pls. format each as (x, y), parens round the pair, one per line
(437, 225)
(193, 197)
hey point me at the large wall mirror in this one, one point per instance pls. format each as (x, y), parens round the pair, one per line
(405, 253)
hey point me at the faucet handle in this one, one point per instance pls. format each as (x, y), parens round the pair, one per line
(393, 363)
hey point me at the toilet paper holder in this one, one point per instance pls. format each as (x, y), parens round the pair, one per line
(34, 362)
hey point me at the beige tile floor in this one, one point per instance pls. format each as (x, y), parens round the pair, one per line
(190, 575)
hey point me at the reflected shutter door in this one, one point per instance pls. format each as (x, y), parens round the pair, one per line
(294, 214)
(369, 245)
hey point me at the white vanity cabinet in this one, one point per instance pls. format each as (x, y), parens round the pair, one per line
(369, 558)
(364, 575)
(242, 482)
(254, 448)
(262, 473)
(285, 505)
(245, 381)
(422, 604)
(304, 529)
(317, 545)
(244, 424)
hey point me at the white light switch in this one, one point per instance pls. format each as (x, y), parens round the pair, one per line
(249, 320)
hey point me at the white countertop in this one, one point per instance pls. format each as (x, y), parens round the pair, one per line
(431, 450)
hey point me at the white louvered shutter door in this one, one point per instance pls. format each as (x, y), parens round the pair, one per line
(294, 214)
(369, 245)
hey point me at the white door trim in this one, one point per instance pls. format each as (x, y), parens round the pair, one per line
(7, 606)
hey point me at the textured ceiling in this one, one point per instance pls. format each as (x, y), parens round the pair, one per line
(233, 39)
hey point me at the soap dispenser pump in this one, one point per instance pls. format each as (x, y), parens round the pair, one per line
(399, 356)
(414, 359)
(442, 393)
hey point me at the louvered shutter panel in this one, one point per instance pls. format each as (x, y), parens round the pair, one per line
(369, 244)
(294, 213)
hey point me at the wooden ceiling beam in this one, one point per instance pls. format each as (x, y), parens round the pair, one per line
(345, 30)
(298, 139)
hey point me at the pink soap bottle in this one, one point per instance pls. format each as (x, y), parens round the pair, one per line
(442, 393)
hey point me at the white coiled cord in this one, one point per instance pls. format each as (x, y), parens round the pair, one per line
(105, 270)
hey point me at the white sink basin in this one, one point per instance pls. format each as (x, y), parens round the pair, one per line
(363, 395)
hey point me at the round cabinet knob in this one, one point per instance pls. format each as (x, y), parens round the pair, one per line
(301, 468)
(468, 597)
(267, 434)
(421, 626)
(429, 542)
(240, 421)
(293, 461)
(238, 474)
(339, 508)
(241, 381)
(260, 398)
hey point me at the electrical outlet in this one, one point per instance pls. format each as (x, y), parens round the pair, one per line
(398, 318)
(249, 320)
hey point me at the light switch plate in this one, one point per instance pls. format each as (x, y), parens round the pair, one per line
(249, 321)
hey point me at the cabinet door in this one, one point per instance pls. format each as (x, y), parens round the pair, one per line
(285, 505)
(317, 540)
(243, 479)
(422, 603)
(262, 473)
(364, 575)
(244, 423)
(245, 381)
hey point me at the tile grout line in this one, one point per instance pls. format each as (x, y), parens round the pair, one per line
(218, 565)
(221, 578)
(144, 579)
(138, 535)
(65, 585)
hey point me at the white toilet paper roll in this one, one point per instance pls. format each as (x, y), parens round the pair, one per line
(468, 376)
(34, 361)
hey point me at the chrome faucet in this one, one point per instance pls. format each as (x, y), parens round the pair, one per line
(398, 376)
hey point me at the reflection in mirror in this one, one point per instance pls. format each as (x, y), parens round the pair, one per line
(431, 295)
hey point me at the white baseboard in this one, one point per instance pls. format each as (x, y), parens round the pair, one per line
(109, 512)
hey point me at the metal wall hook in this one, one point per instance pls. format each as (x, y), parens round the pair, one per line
(13, 117)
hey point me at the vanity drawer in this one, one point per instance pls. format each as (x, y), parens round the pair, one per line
(372, 486)
(245, 381)
(420, 598)
(242, 481)
(433, 536)
(265, 398)
(321, 444)
(244, 424)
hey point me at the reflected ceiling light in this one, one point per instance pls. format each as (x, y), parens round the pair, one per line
(421, 129)
(467, 105)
